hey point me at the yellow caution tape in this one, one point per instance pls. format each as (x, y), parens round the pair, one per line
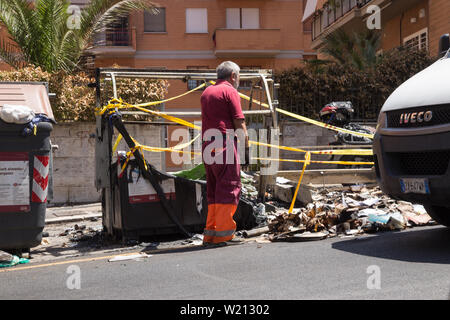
(176, 148)
(168, 117)
(307, 161)
(148, 104)
(129, 154)
(305, 119)
(116, 144)
(324, 125)
(352, 152)
(119, 104)
(141, 148)
(364, 152)
(348, 163)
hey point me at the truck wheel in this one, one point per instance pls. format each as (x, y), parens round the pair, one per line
(440, 214)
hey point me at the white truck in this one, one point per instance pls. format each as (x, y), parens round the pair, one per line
(412, 141)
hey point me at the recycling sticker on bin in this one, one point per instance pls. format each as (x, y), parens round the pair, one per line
(140, 189)
(14, 182)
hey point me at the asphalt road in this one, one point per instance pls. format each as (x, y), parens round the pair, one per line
(411, 264)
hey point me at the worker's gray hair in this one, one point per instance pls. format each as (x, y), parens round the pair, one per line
(225, 69)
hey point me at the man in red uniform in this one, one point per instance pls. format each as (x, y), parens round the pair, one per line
(221, 117)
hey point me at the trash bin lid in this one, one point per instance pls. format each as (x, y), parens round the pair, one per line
(32, 95)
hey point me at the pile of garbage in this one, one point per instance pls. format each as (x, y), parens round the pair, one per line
(9, 260)
(347, 212)
(92, 236)
(248, 189)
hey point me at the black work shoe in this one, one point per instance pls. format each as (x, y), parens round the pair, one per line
(213, 245)
(235, 240)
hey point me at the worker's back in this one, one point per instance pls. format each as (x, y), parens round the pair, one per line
(220, 105)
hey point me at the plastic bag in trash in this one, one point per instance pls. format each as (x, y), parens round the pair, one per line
(15, 261)
(29, 129)
(5, 256)
(16, 114)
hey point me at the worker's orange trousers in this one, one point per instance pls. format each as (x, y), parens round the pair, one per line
(220, 226)
(223, 192)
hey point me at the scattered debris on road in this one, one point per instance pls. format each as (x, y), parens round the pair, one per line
(347, 212)
(344, 211)
(128, 257)
(195, 240)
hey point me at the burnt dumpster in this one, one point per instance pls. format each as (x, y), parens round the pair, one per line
(139, 210)
(143, 201)
(25, 159)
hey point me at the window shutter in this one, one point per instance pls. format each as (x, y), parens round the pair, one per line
(197, 20)
(155, 22)
(233, 18)
(250, 18)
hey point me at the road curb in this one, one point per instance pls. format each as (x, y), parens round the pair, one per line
(72, 218)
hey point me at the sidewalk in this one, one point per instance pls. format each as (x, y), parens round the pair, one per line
(63, 214)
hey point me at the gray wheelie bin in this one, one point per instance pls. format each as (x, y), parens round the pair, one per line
(25, 168)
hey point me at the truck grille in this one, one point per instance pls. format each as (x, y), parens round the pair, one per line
(441, 115)
(421, 163)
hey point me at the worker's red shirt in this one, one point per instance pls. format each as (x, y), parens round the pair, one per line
(221, 104)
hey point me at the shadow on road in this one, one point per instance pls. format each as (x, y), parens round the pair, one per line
(426, 246)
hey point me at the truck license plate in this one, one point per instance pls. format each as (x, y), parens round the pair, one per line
(414, 185)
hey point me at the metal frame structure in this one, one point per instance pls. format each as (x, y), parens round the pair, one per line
(206, 75)
(104, 127)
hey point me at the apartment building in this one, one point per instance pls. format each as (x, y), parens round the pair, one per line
(414, 23)
(200, 34)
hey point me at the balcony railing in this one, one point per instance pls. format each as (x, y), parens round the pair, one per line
(114, 43)
(329, 15)
(113, 38)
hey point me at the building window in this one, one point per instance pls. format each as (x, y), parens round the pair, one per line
(155, 22)
(417, 41)
(116, 34)
(242, 18)
(197, 20)
(192, 84)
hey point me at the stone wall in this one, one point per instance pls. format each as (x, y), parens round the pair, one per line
(74, 161)
(300, 134)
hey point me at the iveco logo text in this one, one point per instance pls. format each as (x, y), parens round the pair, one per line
(416, 117)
